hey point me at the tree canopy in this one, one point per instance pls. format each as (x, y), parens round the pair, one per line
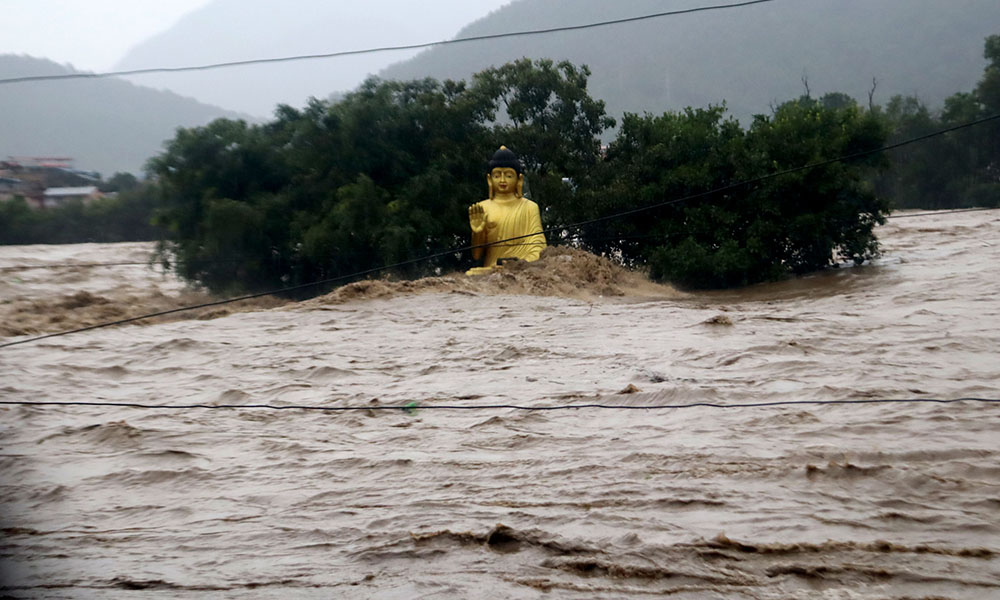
(960, 169)
(384, 176)
(790, 224)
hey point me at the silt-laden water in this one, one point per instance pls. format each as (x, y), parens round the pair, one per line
(807, 501)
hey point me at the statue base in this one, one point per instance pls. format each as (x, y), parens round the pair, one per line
(482, 270)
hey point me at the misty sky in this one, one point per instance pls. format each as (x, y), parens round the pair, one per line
(90, 34)
(108, 35)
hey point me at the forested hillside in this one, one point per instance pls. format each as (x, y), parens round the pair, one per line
(106, 125)
(751, 58)
(226, 30)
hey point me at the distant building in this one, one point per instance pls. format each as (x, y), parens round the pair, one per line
(46, 181)
(57, 196)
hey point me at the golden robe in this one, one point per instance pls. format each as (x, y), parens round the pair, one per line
(513, 218)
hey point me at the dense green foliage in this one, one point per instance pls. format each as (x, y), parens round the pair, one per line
(793, 223)
(956, 170)
(380, 177)
(122, 218)
(384, 176)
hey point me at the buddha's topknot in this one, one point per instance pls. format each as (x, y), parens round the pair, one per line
(505, 159)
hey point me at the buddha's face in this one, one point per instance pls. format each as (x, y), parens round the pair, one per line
(504, 180)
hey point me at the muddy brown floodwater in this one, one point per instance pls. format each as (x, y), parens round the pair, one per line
(874, 501)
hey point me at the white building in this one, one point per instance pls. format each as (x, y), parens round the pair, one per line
(57, 196)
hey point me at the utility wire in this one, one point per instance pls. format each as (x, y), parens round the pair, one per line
(413, 406)
(601, 239)
(71, 265)
(550, 230)
(809, 166)
(475, 38)
(119, 264)
(947, 212)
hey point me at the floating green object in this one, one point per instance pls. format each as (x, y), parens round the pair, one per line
(410, 408)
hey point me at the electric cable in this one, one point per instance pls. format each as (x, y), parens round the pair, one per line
(119, 264)
(414, 406)
(943, 212)
(550, 230)
(71, 265)
(601, 239)
(746, 183)
(476, 38)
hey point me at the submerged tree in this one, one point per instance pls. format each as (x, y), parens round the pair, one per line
(382, 176)
(121, 217)
(955, 170)
(791, 223)
(987, 191)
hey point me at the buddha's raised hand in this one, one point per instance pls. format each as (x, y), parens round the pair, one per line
(477, 219)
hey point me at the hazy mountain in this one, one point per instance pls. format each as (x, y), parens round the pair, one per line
(231, 30)
(106, 125)
(750, 57)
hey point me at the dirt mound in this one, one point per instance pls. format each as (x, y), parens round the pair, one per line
(33, 316)
(564, 272)
(561, 271)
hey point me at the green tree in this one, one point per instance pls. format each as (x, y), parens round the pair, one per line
(955, 170)
(124, 217)
(120, 182)
(923, 175)
(654, 159)
(19, 224)
(790, 224)
(381, 176)
(543, 111)
(215, 183)
(986, 192)
(384, 175)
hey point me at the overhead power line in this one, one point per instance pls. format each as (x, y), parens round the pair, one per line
(145, 263)
(943, 212)
(475, 38)
(806, 167)
(72, 265)
(550, 230)
(933, 213)
(414, 406)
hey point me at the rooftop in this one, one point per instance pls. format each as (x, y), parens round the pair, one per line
(71, 191)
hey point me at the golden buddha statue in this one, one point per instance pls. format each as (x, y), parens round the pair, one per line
(506, 214)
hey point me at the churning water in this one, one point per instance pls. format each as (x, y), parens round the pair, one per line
(809, 501)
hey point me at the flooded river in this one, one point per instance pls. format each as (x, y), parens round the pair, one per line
(849, 501)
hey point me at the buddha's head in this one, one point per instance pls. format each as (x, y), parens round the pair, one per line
(506, 176)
